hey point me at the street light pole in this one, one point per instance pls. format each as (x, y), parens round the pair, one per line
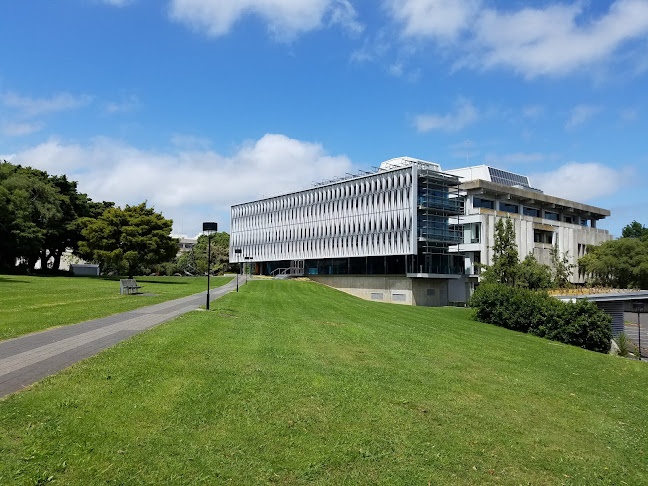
(638, 306)
(237, 251)
(209, 228)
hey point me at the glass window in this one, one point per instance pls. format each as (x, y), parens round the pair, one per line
(478, 202)
(532, 212)
(569, 219)
(551, 216)
(509, 208)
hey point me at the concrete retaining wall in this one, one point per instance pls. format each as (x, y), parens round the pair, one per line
(429, 292)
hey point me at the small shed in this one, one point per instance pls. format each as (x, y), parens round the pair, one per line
(612, 303)
(84, 269)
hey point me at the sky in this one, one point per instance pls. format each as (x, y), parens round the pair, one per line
(196, 105)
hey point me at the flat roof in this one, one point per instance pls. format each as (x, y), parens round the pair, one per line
(608, 297)
(532, 197)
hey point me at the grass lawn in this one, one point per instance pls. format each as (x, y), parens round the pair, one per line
(293, 383)
(29, 304)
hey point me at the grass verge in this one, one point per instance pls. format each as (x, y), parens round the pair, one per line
(295, 383)
(30, 304)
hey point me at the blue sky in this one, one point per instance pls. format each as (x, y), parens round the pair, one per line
(195, 105)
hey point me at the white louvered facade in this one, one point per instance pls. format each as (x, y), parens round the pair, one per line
(374, 215)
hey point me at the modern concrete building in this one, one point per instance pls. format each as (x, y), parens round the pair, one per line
(406, 233)
(540, 221)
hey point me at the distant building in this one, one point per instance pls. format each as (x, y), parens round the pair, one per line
(407, 233)
(185, 243)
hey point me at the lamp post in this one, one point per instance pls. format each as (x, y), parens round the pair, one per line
(249, 268)
(237, 251)
(638, 306)
(209, 228)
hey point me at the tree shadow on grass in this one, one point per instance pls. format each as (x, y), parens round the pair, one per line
(13, 280)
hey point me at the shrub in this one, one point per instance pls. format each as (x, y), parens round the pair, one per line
(580, 324)
(623, 343)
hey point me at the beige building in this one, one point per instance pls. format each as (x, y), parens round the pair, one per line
(540, 220)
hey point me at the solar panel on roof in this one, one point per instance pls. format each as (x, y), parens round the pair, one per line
(507, 178)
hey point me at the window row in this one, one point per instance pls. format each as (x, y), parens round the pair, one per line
(507, 207)
(395, 242)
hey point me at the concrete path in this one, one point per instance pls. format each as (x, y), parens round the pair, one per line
(27, 359)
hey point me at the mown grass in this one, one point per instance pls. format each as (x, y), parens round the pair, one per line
(295, 383)
(29, 304)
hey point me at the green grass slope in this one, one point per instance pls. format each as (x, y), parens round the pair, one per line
(294, 383)
(29, 304)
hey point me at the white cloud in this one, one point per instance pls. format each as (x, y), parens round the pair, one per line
(629, 114)
(30, 107)
(581, 181)
(533, 111)
(286, 19)
(118, 3)
(581, 114)
(552, 40)
(123, 106)
(441, 19)
(181, 183)
(20, 129)
(465, 114)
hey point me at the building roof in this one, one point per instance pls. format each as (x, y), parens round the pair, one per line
(532, 197)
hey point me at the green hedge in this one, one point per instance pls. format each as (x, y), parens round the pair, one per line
(580, 324)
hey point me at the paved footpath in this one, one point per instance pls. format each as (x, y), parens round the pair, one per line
(27, 359)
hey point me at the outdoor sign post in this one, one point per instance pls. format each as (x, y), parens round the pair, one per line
(209, 228)
(238, 251)
(638, 306)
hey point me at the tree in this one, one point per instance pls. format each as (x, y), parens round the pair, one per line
(635, 230)
(621, 263)
(195, 261)
(39, 216)
(533, 275)
(32, 205)
(562, 269)
(505, 255)
(128, 239)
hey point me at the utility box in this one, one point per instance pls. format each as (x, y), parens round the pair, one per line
(84, 269)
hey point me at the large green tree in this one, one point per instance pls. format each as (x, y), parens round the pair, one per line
(31, 204)
(621, 263)
(126, 240)
(39, 216)
(635, 230)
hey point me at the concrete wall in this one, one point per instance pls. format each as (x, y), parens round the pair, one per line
(571, 238)
(429, 292)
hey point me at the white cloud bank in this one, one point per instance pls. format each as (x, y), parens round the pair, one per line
(286, 19)
(183, 181)
(552, 40)
(581, 182)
